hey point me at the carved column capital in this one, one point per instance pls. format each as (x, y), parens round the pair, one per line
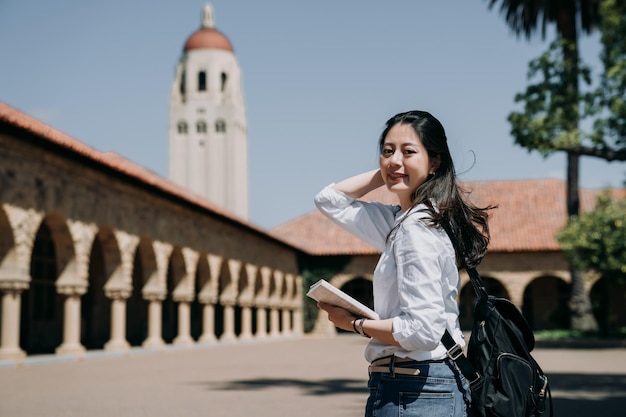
(17, 285)
(278, 287)
(83, 235)
(155, 288)
(162, 252)
(191, 261)
(24, 225)
(229, 294)
(262, 296)
(117, 293)
(287, 300)
(183, 298)
(246, 298)
(154, 296)
(71, 289)
(207, 298)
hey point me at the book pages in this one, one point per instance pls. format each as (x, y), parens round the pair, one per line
(327, 293)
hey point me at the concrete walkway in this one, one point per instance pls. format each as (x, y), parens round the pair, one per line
(304, 377)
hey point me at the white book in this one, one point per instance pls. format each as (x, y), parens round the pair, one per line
(327, 293)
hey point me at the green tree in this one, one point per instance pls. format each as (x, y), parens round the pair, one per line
(525, 17)
(610, 127)
(596, 240)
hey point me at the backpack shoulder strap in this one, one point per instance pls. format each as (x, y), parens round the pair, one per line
(455, 352)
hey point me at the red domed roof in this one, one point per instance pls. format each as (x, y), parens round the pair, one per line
(207, 38)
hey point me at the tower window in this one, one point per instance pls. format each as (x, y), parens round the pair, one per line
(182, 83)
(220, 126)
(224, 79)
(201, 127)
(202, 81)
(182, 128)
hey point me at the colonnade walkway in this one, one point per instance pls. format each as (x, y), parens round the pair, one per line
(309, 376)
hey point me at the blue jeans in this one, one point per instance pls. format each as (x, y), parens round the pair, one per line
(439, 390)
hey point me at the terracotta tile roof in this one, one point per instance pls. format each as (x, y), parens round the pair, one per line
(528, 215)
(113, 162)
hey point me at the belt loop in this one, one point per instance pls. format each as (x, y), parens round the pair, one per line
(392, 365)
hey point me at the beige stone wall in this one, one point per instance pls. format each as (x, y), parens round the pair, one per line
(515, 271)
(48, 183)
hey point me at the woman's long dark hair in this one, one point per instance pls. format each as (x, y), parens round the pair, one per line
(465, 223)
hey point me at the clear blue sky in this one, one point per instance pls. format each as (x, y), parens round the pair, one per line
(319, 77)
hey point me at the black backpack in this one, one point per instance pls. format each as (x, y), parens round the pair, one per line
(505, 379)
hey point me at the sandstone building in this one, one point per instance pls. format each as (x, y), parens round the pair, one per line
(98, 253)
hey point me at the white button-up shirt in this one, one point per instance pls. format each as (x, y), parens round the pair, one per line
(416, 281)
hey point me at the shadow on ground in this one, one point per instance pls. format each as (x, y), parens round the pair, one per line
(577, 395)
(583, 395)
(323, 387)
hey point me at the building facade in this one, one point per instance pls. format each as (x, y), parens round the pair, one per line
(208, 145)
(98, 253)
(524, 262)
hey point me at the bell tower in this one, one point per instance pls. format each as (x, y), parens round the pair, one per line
(208, 144)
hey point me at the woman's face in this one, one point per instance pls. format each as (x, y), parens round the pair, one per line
(404, 163)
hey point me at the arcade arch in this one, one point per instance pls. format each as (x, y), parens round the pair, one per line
(545, 303)
(608, 299)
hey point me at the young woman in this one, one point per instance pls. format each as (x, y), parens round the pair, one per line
(423, 242)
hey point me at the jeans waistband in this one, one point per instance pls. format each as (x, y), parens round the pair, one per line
(395, 365)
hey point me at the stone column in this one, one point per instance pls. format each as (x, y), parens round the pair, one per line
(229, 323)
(246, 322)
(119, 288)
(184, 295)
(228, 299)
(71, 321)
(10, 337)
(184, 323)
(286, 312)
(15, 276)
(262, 302)
(298, 325)
(261, 321)
(118, 342)
(208, 297)
(287, 304)
(72, 283)
(154, 291)
(246, 300)
(154, 339)
(208, 324)
(275, 303)
(274, 321)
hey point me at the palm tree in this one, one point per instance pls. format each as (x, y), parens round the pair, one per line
(525, 17)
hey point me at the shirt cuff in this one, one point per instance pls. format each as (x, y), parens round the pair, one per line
(410, 335)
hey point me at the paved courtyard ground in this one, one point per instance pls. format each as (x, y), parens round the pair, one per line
(303, 377)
